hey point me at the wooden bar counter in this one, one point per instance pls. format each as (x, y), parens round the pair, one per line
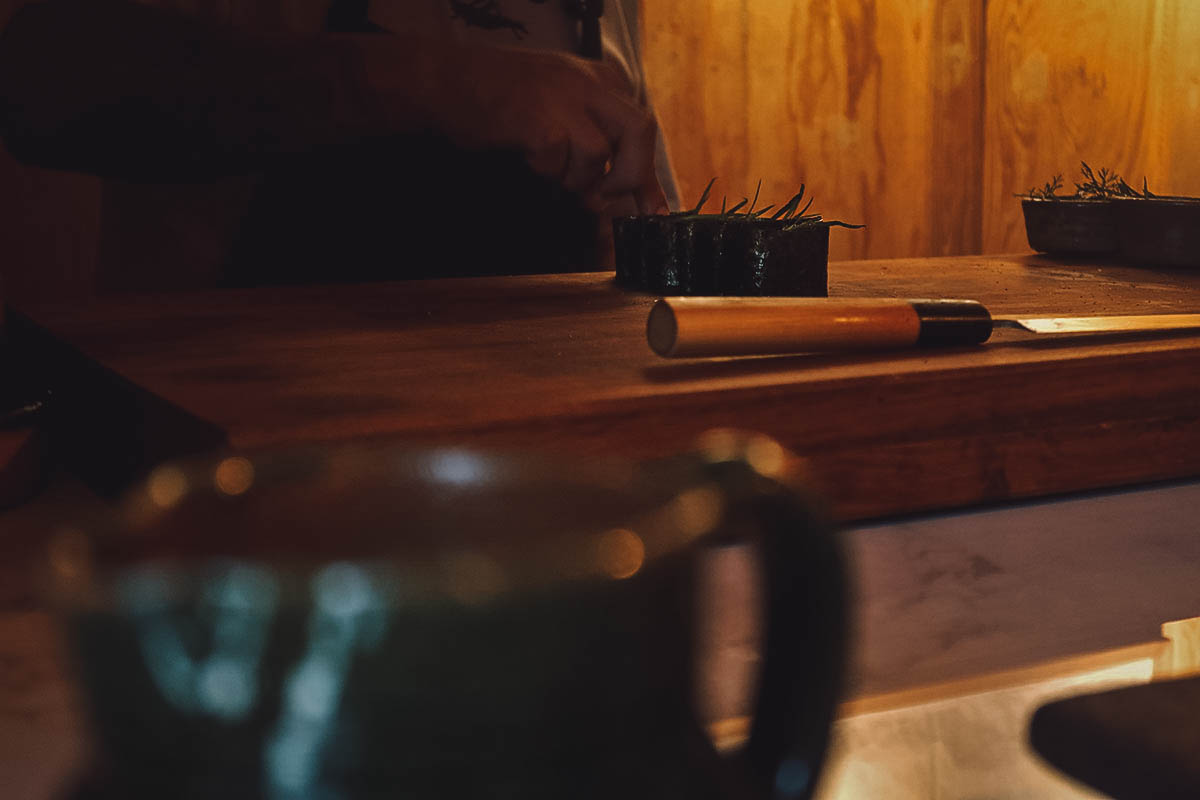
(962, 593)
(561, 363)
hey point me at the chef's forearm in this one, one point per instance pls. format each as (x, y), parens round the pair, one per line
(116, 88)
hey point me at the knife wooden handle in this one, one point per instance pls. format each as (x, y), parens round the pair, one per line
(698, 327)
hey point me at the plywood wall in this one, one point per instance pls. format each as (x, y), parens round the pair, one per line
(1113, 82)
(922, 117)
(843, 97)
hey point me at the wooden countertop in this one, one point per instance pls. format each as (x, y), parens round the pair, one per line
(561, 363)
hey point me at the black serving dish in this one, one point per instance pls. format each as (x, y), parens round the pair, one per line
(1070, 226)
(722, 254)
(1158, 231)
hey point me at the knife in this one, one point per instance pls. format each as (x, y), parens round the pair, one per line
(699, 327)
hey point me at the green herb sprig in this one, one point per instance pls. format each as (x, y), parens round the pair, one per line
(1047, 191)
(790, 211)
(703, 199)
(1102, 184)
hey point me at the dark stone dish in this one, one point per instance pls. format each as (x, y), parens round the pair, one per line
(1158, 231)
(1070, 226)
(717, 254)
(1141, 231)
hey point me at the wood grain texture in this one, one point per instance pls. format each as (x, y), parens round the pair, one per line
(1114, 83)
(921, 118)
(957, 134)
(875, 106)
(561, 363)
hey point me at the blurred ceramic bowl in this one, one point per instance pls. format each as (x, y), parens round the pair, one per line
(372, 621)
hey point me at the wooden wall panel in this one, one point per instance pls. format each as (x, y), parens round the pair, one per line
(1112, 82)
(923, 117)
(875, 105)
(956, 129)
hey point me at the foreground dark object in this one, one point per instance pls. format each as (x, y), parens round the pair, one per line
(373, 622)
(1137, 742)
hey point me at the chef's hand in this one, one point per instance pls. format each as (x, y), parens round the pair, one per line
(574, 119)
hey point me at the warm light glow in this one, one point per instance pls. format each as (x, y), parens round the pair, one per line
(719, 444)
(697, 511)
(234, 476)
(167, 486)
(766, 456)
(70, 554)
(622, 553)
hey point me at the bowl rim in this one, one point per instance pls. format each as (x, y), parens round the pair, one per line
(1090, 201)
(1161, 200)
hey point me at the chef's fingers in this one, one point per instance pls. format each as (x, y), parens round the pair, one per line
(651, 198)
(590, 153)
(576, 161)
(549, 153)
(633, 172)
(634, 137)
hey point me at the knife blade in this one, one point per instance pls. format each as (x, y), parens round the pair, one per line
(701, 327)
